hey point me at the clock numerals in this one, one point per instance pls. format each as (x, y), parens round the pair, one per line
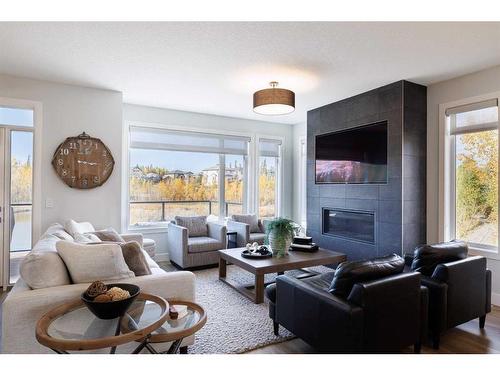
(83, 162)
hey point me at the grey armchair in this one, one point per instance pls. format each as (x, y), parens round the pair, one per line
(244, 233)
(196, 249)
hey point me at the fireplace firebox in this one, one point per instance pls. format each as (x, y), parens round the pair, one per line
(355, 225)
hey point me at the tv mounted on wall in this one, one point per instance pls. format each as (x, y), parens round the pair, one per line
(353, 156)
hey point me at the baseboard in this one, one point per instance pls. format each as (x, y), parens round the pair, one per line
(161, 257)
(495, 299)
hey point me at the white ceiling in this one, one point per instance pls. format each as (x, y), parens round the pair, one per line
(215, 67)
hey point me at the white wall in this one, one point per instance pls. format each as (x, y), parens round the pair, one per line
(479, 83)
(171, 117)
(299, 132)
(68, 111)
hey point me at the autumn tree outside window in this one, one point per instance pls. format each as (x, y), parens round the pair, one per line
(473, 129)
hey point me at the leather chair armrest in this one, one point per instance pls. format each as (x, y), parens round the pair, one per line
(408, 259)
(438, 304)
(467, 289)
(488, 291)
(392, 301)
(424, 313)
(323, 320)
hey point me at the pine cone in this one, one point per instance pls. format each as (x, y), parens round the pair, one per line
(95, 289)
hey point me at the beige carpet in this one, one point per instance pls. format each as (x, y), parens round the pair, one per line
(235, 324)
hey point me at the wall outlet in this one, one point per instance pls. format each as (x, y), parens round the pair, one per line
(49, 203)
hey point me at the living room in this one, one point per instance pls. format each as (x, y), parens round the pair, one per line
(251, 187)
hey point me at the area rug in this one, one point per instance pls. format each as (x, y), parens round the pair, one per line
(235, 324)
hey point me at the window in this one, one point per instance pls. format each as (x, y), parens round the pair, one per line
(16, 116)
(473, 130)
(268, 177)
(185, 173)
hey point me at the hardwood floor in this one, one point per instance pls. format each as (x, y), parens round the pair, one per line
(467, 338)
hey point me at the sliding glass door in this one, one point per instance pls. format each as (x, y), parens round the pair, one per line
(16, 188)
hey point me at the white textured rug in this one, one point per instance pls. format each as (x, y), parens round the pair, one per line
(234, 324)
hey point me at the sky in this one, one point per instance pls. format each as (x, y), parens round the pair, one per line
(186, 161)
(22, 142)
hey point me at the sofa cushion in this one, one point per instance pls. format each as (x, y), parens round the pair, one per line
(73, 227)
(203, 244)
(109, 235)
(135, 259)
(251, 220)
(257, 237)
(349, 273)
(427, 257)
(42, 267)
(88, 263)
(196, 225)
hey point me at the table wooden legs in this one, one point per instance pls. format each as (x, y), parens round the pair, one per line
(253, 292)
(259, 288)
(222, 268)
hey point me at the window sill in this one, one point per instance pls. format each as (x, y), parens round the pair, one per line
(487, 253)
(147, 229)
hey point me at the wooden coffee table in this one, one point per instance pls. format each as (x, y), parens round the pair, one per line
(259, 267)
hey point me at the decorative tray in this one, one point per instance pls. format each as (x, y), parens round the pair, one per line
(248, 254)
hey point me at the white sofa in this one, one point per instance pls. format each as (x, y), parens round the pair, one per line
(24, 306)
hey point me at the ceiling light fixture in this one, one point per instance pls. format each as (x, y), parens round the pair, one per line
(274, 101)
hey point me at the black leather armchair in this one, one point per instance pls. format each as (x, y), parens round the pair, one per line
(384, 315)
(459, 291)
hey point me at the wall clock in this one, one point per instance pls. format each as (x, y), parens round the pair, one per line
(83, 162)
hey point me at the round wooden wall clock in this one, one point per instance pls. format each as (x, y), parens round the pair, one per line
(83, 162)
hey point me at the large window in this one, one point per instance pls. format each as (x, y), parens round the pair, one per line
(268, 177)
(473, 129)
(185, 173)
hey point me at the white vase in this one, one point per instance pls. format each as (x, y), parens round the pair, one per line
(279, 247)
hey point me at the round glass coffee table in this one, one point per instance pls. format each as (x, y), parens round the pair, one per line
(73, 327)
(172, 330)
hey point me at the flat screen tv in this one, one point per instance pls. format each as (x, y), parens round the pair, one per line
(353, 156)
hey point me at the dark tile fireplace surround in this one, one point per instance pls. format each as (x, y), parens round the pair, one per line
(365, 221)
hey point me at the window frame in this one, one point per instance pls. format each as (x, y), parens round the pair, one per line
(447, 170)
(279, 174)
(248, 191)
(36, 201)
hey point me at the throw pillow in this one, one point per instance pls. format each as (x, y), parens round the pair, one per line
(251, 220)
(109, 235)
(427, 257)
(196, 225)
(135, 259)
(73, 227)
(86, 238)
(58, 230)
(88, 263)
(349, 273)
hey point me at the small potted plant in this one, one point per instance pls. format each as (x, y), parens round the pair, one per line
(280, 232)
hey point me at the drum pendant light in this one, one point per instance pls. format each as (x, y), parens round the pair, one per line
(274, 101)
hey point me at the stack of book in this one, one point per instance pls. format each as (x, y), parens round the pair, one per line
(303, 244)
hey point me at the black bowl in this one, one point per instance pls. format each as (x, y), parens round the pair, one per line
(113, 309)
